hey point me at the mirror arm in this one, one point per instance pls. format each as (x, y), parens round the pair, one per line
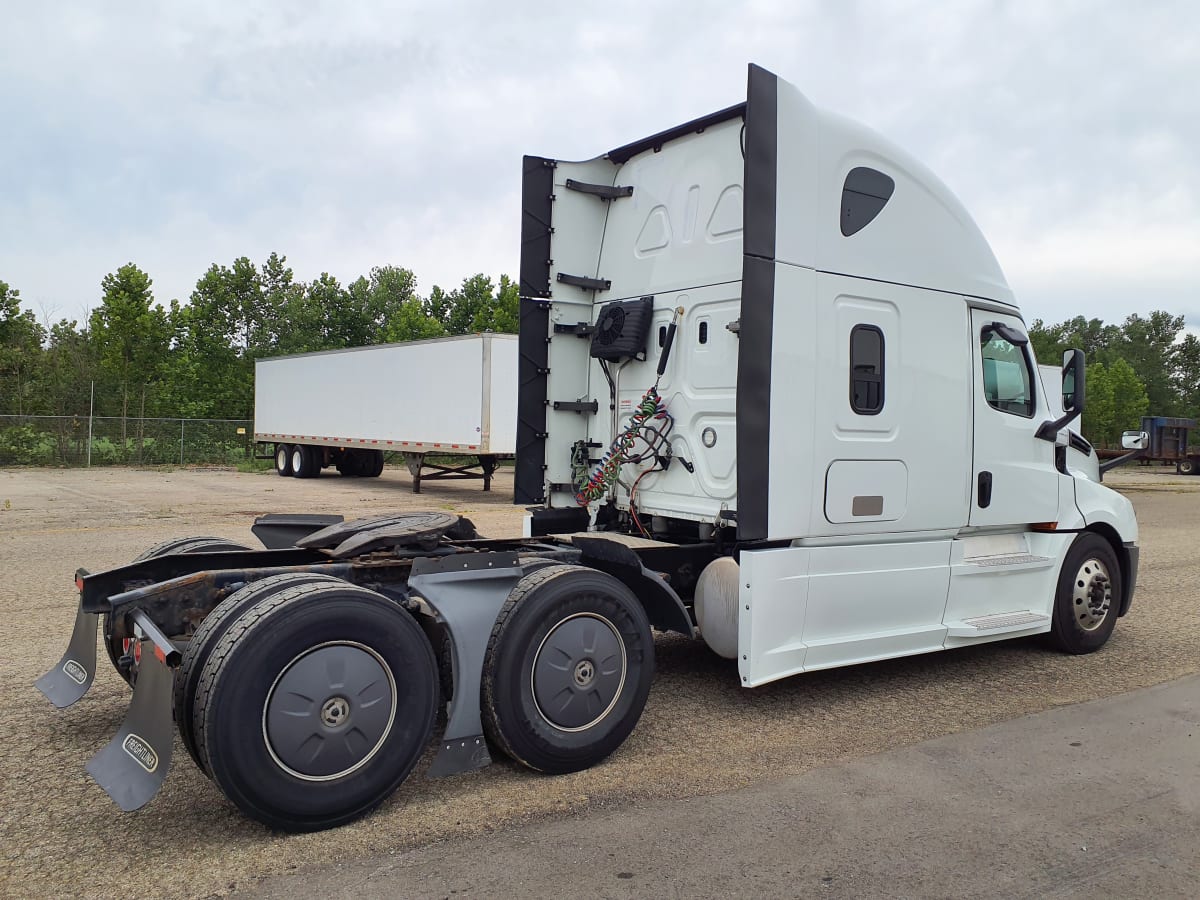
(1120, 461)
(1048, 430)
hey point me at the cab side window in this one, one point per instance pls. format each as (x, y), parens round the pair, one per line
(1007, 374)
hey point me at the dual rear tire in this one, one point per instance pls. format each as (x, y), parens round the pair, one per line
(568, 669)
(305, 461)
(308, 700)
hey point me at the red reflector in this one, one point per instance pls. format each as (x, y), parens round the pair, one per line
(160, 655)
(79, 584)
(1044, 526)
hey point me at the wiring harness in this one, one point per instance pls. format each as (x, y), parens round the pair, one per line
(650, 425)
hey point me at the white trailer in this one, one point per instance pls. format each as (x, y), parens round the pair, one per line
(774, 393)
(454, 396)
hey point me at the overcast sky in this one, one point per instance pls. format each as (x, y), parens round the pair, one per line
(352, 134)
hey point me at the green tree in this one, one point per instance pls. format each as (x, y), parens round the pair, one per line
(1186, 375)
(21, 340)
(1129, 399)
(1098, 411)
(131, 335)
(1148, 345)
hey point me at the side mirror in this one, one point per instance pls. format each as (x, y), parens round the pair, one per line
(1135, 440)
(1074, 378)
(1074, 375)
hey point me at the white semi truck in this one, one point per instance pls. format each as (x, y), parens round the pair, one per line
(774, 393)
(447, 397)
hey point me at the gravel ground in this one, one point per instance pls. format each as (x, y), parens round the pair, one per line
(701, 733)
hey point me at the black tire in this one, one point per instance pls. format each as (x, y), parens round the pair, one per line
(255, 745)
(1186, 466)
(598, 626)
(1088, 598)
(347, 463)
(283, 460)
(215, 624)
(373, 467)
(116, 647)
(305, 462)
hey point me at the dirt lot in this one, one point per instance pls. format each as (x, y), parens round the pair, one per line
(701, 733)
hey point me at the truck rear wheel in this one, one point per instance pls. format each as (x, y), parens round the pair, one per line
(283, 460)
(568, 669)
(315, 704)
(215, 624)
(1186, 466)
(118, 648)
(1088, 596)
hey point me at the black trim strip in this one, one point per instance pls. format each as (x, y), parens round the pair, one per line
(762, 129)
(655, 141)
(757, 315)
(533, 342)
(537, 198)
(533, 347)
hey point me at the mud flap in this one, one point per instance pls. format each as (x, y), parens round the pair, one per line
(133, 766)
(467, 592)
(71, 678)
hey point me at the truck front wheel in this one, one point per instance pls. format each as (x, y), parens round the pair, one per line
(568, 668)
(1088, 596)
(315, 704)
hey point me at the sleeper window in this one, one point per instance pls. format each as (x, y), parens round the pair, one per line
(866, 369)
(1007, 376)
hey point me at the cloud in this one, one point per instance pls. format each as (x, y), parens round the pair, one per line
(347, 136)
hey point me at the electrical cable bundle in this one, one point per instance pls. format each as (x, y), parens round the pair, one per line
(620, 452)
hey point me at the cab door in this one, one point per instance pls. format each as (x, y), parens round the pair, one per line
(1014, 481)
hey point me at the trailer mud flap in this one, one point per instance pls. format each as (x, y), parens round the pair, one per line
(133, 766)
(71, 678)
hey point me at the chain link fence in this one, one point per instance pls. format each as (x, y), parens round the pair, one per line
(113, 440)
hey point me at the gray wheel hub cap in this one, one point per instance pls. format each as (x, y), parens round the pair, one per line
(329, 711)
(579, 672)
(1091, 596)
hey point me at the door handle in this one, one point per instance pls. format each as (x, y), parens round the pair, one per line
(985, 490)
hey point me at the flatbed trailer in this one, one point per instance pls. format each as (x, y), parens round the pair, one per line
(774, 393)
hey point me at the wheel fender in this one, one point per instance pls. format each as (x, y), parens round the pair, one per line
(663, 606)
(466, 593)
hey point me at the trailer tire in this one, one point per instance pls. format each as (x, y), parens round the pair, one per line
(304, 461)
(283, 460)
(347, 464)
(1088, 599)
(1186, 466)
(116, 647)
(599, 684)
(373, 465)
(215, 624)
(338, 644)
